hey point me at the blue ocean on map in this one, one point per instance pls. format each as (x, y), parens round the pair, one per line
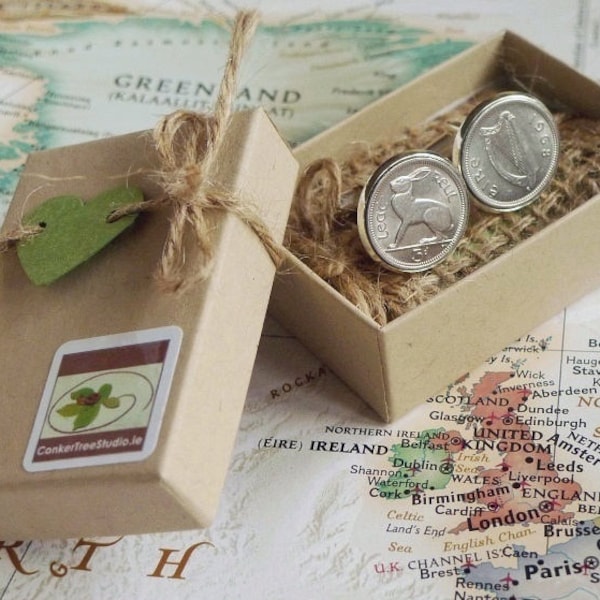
(74, 81)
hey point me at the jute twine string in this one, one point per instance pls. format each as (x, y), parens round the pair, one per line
(188, 144)
(20, 233)
(322, 229)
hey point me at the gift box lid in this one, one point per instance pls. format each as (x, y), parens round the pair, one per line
(84, 454)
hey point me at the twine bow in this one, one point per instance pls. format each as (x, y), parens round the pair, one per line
(188, 144)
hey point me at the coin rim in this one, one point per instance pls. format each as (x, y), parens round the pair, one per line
(365, 201)
(458, 152)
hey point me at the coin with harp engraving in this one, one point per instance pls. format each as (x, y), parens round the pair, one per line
(507, 151)
(413, 211)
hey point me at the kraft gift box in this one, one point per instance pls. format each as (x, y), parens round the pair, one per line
(395, 367)
(164, 376)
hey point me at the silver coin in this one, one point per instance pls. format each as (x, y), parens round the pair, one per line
(507, 151)
(413, 211)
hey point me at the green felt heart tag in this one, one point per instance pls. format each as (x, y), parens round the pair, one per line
(73, 231)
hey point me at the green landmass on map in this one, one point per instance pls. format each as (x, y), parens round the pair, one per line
(421, 466)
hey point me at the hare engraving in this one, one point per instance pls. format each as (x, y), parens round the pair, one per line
(434, 214)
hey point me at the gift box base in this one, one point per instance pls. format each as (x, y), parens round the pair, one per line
(397, 366)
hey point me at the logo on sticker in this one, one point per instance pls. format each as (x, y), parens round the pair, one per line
(104, 400)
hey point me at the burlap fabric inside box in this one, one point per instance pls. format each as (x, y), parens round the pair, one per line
(323, 233)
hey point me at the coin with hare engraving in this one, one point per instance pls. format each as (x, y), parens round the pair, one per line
(413, 211)
(507, 151)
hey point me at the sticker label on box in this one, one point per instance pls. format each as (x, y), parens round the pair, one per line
(104, 400)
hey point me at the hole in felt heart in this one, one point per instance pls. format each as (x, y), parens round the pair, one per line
(43, 224)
